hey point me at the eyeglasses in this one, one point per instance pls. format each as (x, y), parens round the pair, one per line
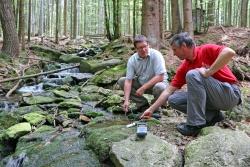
(142, 47)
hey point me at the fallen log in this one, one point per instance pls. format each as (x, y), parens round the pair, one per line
(35, 75)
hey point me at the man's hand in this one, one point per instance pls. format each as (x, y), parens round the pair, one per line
(140, 91)
(147, 114)
(204, 72)
(125, 106)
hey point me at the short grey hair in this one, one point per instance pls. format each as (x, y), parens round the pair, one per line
(140, 38)
(181, 38)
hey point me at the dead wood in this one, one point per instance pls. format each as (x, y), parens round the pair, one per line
(35, 75)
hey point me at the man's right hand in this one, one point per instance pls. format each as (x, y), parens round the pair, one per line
(147, 114)
(125, 106)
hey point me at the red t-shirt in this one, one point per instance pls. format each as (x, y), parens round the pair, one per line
(204, 56)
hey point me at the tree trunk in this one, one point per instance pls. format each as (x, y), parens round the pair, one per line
(134, 17)
(21, 33)
(117, 18)
(243, 20)
(176, 21)
(41, 18)
(210, 12)
(29, 21)
(57, 21)
(74, 19)
(161, 4)
(108, 34)
(10, 37)
(187, 11)
(151, 22)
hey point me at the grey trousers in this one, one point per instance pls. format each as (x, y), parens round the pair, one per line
(141, 100)
(204, 99)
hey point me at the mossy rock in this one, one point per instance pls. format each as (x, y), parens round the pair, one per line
(47, 52)
(70, 58)
(7, 120)
(70, 103)
(65, 94)
(93, 114)
(34, 118)
(47, 147)
(38, 100)
(27, 109)
(91, 97)
(112, 101)
(93, 66)
(100, 139)
(110, 76)
(18, 130)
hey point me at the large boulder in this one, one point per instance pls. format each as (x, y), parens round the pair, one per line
(34, 118)
(93, 66)
(49, 147)
(70, 58)
(100, 135)
(110, 76)
(18, 130)
(222, 148)
(38, 100)
(151, 151)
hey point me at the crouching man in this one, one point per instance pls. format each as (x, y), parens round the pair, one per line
(146, 73)
(211, 86)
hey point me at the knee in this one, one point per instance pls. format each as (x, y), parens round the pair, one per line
(172, 100)
(121, 82)
(193, 75)
(159, 88)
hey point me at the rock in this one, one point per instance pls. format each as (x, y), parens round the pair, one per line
(52, 148)
(93, 114)
(18, 130)
(242, 111)
(112, 101)
(38, 100)
(219, 148)
(93, 66)
(7, 120)
(85, 119)
(46, 52)
(28, 109)
(34, 118)
(101, 135)
(70, 59)
(110, 76)
(79, 77)
(64, 94)
(151, 151)
(70, 103)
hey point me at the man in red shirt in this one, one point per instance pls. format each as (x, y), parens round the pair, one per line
(211, 86)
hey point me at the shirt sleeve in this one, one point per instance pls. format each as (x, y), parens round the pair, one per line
(180, 77)
(159, 64)
(130, 70)
(211, 52)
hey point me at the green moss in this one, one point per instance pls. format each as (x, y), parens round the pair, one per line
(110, 75)
(100, 140)
(34, 118)
(93, 114)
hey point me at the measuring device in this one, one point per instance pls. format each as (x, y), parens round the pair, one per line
(142, 129)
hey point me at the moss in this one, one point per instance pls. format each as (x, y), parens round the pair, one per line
(93, 114)
(34, 118)
(100, 140)
(111, 75)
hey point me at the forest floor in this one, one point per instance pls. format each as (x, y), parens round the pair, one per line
(235, 38)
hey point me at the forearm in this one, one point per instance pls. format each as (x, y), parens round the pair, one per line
(223, 58)
(153, 81)
(127, 89)
(163, 98)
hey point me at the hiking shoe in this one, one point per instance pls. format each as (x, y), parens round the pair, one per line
(188, 130)
(220, 117)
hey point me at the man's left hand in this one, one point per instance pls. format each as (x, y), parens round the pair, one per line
(204, 72)
(140, 91)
